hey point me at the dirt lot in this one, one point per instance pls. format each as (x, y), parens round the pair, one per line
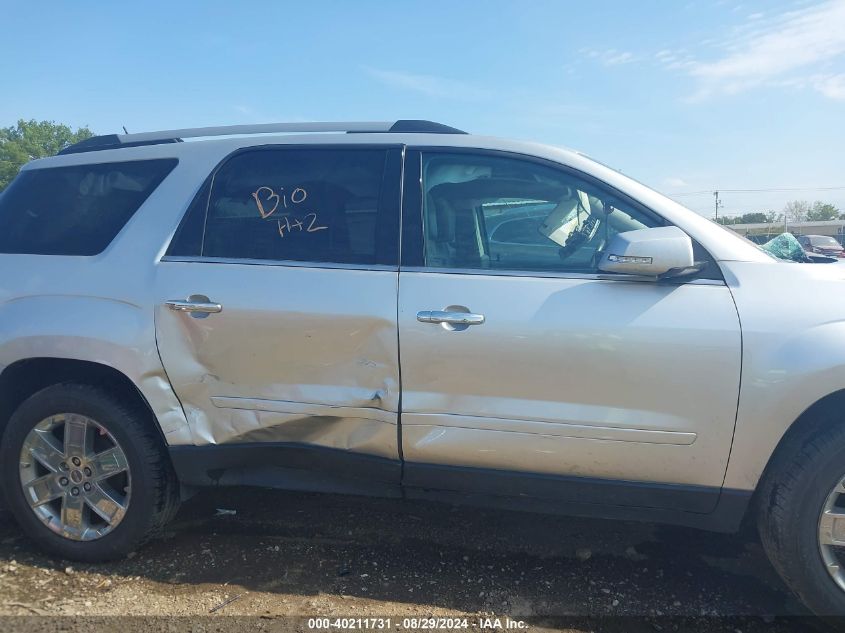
(282, 554)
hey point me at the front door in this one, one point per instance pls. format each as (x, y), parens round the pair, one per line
(524, 372)
(276, 307)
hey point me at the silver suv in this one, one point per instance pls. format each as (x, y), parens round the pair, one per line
(405, 309)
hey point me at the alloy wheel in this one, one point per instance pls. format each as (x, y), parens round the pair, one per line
(75, 476)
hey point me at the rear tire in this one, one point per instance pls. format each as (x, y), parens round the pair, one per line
(101, 501)
(804, 478)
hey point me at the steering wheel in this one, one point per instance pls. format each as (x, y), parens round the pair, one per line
(586, 231)
(570, 225)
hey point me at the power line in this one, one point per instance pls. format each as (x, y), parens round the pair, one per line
(772, 190)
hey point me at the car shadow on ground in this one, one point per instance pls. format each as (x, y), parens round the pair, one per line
(437, 556)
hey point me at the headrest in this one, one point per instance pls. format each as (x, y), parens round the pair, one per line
(440, 173)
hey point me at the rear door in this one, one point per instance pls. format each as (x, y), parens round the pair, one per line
(525, 372)
(276, 309)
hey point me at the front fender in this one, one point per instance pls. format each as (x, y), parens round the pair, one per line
(793, 339)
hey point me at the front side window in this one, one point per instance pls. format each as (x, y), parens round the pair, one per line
(309, 205)
(75, 210)
(502, 213)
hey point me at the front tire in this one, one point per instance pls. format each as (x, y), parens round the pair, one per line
(801, 516)
(87, 477)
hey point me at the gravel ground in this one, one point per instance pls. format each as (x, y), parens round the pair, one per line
(290, 554)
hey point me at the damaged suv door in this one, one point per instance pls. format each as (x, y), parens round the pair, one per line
(276, 317)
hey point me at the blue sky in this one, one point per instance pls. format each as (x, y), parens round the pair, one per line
(686, 96)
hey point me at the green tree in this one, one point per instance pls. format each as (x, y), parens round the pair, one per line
(29, 140)
(823, 211)
(745, 218)
(750, 218)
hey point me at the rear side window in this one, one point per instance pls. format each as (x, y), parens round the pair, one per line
(75, 210)
(308, 205)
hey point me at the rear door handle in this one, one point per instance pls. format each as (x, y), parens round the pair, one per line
(204, 307)
(452, 318)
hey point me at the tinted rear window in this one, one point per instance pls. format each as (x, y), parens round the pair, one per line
(308, 205)
(75, 210)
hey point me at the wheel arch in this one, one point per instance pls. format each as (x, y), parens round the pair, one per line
(815, 419)
(25, 377)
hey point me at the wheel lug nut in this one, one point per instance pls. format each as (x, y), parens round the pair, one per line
(63, 481)
(76, 461)
(87, 471)
(74, 491)
(87, 486)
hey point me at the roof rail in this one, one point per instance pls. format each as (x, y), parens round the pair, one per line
(110, 141)
(114, 141)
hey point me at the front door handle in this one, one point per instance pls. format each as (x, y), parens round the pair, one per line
(452, 318)
(203, 307)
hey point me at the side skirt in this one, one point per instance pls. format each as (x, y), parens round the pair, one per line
(726, 517)
(288, 466)
(294, 466)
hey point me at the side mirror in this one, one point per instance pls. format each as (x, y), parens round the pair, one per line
(660, 252)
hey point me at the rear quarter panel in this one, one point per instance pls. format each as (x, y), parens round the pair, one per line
(92, 329)
(100, 308)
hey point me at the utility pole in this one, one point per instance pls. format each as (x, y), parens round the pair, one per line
(718, 204)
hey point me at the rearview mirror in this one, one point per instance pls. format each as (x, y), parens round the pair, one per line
(664, 251)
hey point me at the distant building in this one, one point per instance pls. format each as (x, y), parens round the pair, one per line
(834, 228)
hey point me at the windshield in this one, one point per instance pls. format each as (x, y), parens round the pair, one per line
(824, 240)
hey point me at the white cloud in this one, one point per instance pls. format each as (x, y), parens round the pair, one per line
(621, 58)
(674, 182)
(428, 85)
(831, 86)
(780, 49)
(610, 56)
(675, 59)
(248, 114)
